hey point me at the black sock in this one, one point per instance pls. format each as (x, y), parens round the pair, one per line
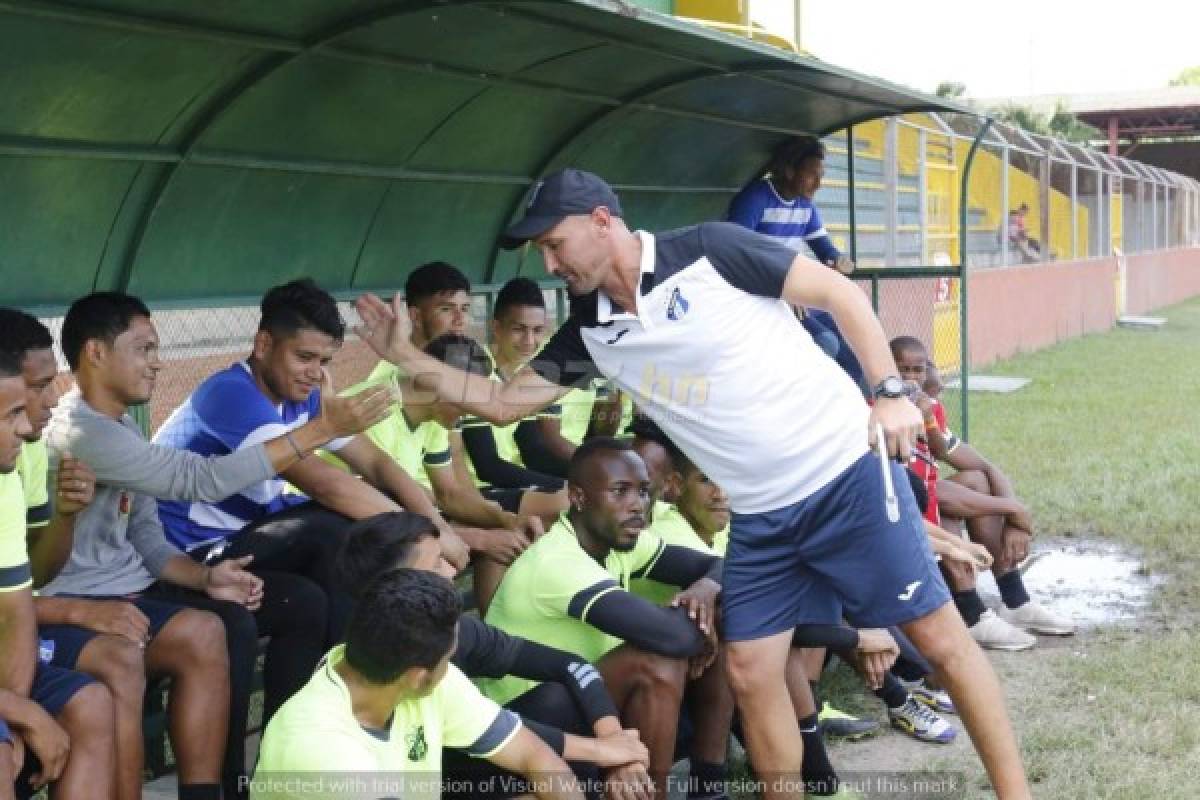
(820, 779)
(893, 693)
(708, 781)
(1012, 589)
(908, 670)
(199, 791)
(970, 605)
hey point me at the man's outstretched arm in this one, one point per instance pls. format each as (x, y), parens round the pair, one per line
(387, 329)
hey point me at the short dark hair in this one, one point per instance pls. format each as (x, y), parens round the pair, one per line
(518, 292)
(591, 448)
(23, 333)
(10, 362)
(902, 344)
(377, 544)
(404, 618)
(432, 279)
(795, 151)
(300, 305)
(642, 427)
(460, 352)
(99, 315)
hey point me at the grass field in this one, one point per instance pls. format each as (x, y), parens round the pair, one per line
(1103, 444)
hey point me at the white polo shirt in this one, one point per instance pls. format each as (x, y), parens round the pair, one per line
(719, 361)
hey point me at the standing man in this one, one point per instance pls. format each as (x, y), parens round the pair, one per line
(780, 205)
(697, 325)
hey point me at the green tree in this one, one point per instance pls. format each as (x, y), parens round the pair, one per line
(950, 89)
(1189, 77)
(1061, 124)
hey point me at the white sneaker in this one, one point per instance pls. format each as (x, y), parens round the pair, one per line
(921, 722)
(996, 634)
(1039, 619)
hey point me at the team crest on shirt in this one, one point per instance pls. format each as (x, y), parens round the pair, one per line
(418, 748)
(678, 306)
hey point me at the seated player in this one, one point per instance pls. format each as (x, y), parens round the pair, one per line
(708, 698)
(383, 705)
(566, 710)
(56, 724)
(568, 590)
(415, 435)
(118, 609)
(502, 459)
(780, 205)
(439, 302)
(980, 497)
(278, 388)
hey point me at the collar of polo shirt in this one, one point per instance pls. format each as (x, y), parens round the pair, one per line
(606, 312)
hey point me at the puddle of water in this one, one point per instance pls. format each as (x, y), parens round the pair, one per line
(1093, 583)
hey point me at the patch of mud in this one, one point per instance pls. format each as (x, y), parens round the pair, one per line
(1092, 582)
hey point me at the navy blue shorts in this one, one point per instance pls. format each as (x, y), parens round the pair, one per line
(53, 687)
(62, 644)
(832, 554)
(5, 737)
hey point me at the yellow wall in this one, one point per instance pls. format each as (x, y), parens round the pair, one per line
(728, 11)
(984, 192)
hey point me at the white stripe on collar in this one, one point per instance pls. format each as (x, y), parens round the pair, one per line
(604, 304)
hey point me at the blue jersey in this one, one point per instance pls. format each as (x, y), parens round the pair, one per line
(795, 223)
(226, 413)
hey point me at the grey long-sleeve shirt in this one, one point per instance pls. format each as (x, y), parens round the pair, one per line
(119, 545)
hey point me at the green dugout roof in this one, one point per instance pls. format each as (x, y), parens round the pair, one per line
(199, 150)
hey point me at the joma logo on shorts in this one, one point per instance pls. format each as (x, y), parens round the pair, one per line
(909, 591)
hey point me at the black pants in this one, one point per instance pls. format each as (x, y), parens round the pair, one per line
(301, 612)
(289, 604)
(467, 778)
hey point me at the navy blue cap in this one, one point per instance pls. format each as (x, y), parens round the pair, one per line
(559, 195)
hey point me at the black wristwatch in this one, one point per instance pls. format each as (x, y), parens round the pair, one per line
(891, 387)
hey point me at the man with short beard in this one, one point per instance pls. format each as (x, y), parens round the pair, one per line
(569, 590)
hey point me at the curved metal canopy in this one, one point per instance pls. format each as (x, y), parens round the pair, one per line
(216, 147)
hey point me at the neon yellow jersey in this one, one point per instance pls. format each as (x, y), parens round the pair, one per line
(721, 541)
(504, 436)
(548, 591)
(574, 411)
(626, 417)
(315, 748)
(33, 465)
(415, 449)
(670, 526)
(15, 572)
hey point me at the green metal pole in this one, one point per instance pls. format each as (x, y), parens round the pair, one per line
(964, 353)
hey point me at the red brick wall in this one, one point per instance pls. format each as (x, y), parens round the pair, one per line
(1022, 308)
(1162, 279)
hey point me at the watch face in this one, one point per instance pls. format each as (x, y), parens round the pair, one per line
(890, 387)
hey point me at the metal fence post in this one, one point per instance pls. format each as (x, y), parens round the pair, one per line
(1044, 205)
(1005, 161)
(1154, 216)
(891, 179)
(852, 214)
(923, 193)
(1074, 211)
